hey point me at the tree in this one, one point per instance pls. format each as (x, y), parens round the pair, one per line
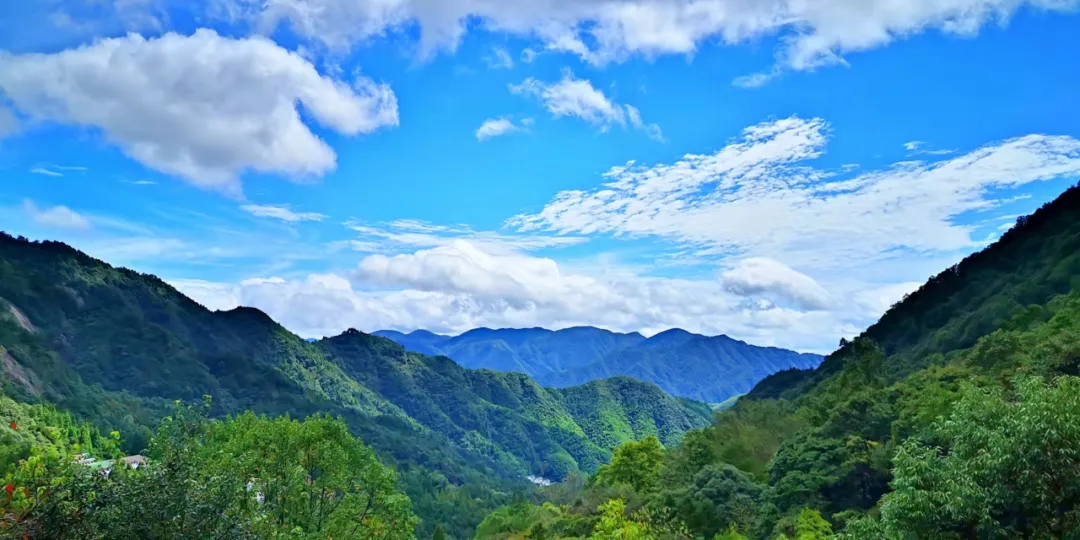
(439, 534)
(732, 533)
(614, 525)
(1006, 468)
(811, 526)
(245, 477)
(636, 464)
(719, 496)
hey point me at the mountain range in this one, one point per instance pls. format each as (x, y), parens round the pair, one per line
(117, 347)
(711, 369)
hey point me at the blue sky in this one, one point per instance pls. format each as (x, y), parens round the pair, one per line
(796, 166)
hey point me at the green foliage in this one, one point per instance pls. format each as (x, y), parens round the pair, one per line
(1007, 467)
(614, 524)
(718, 497)
(245, 477)
(811, 526)
(732, 533)
(636, 464)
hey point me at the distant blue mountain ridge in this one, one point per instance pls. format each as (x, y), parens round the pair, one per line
(706, 368)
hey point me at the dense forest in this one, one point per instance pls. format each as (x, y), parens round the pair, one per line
(712, 369)
(957, 415)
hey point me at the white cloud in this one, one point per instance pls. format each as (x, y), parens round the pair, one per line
(528, 56)
(281, 212)
(759, 196)
(496, 127)
(461, 267)
(499, 59)
(459, 286)
(59, 217)
(919, 147)
(9, 124)
(45, 172)
(578, 98)
(408, 234)
(878, 300)
(203, 107)
(652, 130)
(762, 277)
(54, 170)
(812, 32)
(755, 80)
(213, 296)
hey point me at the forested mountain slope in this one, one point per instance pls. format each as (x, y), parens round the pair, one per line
(710, 369)
(116, 347)
(536, 352)
(681, 363)
(1031, 263)
(957, 415)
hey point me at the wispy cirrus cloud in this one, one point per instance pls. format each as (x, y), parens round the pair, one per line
(499, 59)
(45, 172)
(404, 235)
(282, 213)
(919, 147)
(761, 196)
(578, 98)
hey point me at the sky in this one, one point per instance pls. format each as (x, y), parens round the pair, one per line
(779, 171)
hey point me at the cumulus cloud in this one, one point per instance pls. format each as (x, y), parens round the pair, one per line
(760, 196)
(59, 217)
(461, 267)
(758, 276)
(578, 98)
(203, 107)
(281, 212)
(459, 286)
(496, 127)
(813, 32)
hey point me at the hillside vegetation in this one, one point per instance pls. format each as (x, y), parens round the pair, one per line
(710, 369)
(956, 416)
(117, 347)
